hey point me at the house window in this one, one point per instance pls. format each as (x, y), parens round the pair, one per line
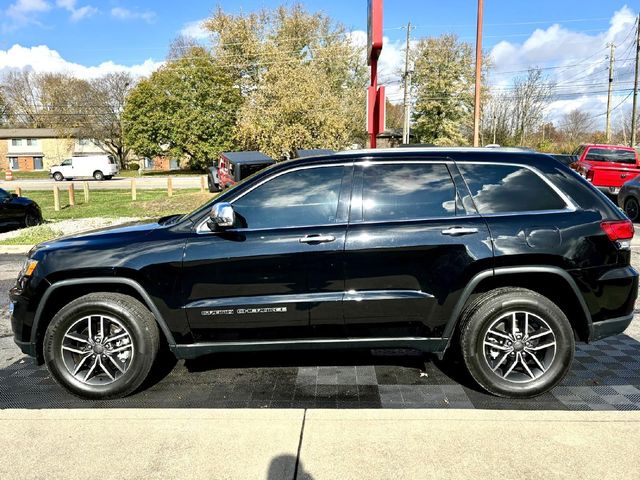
(37, 163)
(148, 164)
(13, 163)
(16, 142)
(32, 141)
(83, 141)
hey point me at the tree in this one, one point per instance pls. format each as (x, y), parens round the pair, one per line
(105, 126)
(394, 116)
(575, 125)
(443, 82)
(531, 94)
(186, 108)
(22, 93)
(301, 78)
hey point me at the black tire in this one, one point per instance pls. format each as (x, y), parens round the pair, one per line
(98, 175)
(632, 208)
(499, 305)
(58, 177)
(138, 322)
(32, 218)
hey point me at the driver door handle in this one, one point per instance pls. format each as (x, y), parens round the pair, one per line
(454, 231)
(317, 239)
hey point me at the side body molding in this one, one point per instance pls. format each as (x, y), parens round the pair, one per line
(475, 281)
(110, 280)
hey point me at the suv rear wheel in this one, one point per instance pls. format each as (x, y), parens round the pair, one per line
(101, 345)
(516, 343)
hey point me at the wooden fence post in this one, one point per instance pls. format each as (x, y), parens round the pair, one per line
(202, 182)
(56, 198)
(170, 186)
(85, 185)
(134, 191)
(19, 191)
(72, 195)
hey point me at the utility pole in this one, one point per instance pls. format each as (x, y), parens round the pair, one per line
(611, 63)
(494, 127)
(407, 85)
(634, 112)
(476, 108)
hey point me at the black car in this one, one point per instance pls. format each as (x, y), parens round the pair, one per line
(18, 211)
(506, 258)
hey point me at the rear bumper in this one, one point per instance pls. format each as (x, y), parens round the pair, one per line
(612, 326)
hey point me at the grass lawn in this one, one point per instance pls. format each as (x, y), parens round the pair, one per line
(118, 203)
(108, 204)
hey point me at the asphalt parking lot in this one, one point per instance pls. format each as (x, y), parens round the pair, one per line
(605, 376)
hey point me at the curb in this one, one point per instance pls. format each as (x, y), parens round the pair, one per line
(15, 249)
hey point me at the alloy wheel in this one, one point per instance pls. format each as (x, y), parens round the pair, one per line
(97, 349)
(631, 209)
(519, 346)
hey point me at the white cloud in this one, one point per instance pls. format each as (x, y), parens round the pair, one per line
(42, 59)
(196, 30)
(576, 62)
(126, 14)
(22, 8)
(77, 13)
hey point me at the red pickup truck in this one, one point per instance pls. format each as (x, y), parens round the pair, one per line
(607, 166)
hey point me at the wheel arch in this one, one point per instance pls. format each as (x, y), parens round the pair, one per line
(62, 292)
(551, 282)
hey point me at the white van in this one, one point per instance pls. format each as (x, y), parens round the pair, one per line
(99, 167)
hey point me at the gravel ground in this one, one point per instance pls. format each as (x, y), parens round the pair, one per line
(68, 227)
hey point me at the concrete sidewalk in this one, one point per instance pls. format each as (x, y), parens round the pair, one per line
(318, 444)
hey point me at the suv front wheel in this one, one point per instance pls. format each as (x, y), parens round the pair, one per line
(101, 345)
(516, 343)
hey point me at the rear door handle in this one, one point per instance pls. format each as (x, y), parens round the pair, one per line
(455, 231)
(317, 239)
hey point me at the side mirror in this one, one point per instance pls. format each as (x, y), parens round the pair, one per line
(221, 216)
(14, 195)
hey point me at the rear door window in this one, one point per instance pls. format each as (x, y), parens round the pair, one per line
(407, 191)
(506, 189)
(612, 155)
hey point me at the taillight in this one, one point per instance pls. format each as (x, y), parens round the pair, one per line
(589, 175)
(619, 231)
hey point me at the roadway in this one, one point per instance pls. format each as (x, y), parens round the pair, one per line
(147, 182)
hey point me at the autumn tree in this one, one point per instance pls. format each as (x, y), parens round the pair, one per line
(575, 125)
(443, 81)
(301, 78)
(187, 108)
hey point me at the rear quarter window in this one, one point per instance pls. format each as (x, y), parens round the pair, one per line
(507, 189)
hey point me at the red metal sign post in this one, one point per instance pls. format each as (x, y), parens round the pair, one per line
(375, 98)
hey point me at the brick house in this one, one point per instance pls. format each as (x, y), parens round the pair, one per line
(40, 148)
(160, 163)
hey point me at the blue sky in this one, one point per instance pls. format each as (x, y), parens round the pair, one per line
(89, 37)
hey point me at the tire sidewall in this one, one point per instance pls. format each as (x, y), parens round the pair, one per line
(53, 356)
(58, 177)
(98, 175)
(497, 307)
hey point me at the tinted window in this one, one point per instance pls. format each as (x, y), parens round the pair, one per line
(401, 192)
(299, 198)
(504, 188)
(614, 155)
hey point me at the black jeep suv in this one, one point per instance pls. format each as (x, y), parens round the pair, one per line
(505, 257)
